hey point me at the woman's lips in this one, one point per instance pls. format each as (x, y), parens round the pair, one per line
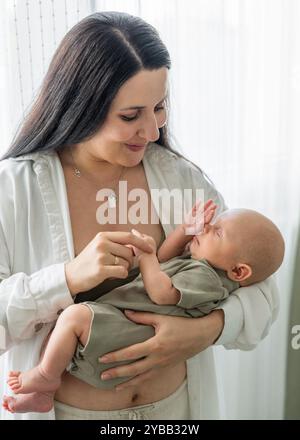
(135, 147)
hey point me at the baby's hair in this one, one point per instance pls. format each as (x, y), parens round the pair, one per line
(264, 249)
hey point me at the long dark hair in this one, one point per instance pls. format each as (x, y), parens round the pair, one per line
(92, 62)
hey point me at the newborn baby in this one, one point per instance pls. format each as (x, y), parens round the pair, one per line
(239, 248)
(243, 243)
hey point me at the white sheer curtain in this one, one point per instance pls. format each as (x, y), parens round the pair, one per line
(235, 85)
(29, 34)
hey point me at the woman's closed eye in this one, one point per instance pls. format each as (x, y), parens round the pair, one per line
(132, 118)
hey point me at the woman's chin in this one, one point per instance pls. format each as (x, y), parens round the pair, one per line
(132, 160)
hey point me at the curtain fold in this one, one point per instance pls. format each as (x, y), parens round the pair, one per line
(30, 33)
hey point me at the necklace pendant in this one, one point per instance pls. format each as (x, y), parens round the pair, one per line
(77, 172)
(112, 200)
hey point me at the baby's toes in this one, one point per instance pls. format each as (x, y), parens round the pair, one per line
(5, 406)
(8, 403)
(15, 387)
(12, 381)
(12, 374)
(11, 405)
(4, 402)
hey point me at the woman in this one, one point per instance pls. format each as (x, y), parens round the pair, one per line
(101, 118)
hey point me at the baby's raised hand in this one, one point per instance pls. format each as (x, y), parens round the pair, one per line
(199, 216)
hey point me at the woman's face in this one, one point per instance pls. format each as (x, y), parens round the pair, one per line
(125, 124)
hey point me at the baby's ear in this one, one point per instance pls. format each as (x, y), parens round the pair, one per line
(239, 272)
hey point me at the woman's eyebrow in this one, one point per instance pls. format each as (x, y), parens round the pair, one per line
(137, 107)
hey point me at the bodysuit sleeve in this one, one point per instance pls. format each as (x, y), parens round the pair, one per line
(200, 288)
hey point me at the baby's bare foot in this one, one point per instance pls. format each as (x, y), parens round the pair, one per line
(33, 402)
(30, 381)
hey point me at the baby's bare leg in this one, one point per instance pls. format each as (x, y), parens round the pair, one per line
(43, 380)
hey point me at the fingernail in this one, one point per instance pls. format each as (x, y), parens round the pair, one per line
(130, 312)
(105, 376)
(103, 359)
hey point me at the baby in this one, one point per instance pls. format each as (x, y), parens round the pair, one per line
(239, 248)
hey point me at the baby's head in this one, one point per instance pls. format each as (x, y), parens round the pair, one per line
(244, 243)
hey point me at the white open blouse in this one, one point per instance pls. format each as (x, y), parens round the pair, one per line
(36, 242)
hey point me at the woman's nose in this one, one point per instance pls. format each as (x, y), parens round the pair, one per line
(150, 130)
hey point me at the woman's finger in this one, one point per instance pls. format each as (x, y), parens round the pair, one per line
(111, 256)
(119, 261)
(128, 238)
(135, 351)
(132, 352)
(133, 369)
(116, 271)
(145, 318)
(137, 233)
(120, 251)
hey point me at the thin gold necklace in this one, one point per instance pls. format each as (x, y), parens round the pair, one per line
(112, 197)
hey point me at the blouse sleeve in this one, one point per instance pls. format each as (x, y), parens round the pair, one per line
(249, 311)
(28, 301)
(249, 314)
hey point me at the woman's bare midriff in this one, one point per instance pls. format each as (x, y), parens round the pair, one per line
(76, 393)
(83, 206)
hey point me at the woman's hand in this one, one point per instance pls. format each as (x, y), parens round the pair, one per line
(176, 340)
(106, 256)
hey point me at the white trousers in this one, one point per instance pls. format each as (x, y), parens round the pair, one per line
(174, 407)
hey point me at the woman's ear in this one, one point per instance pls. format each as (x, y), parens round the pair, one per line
(240, 272)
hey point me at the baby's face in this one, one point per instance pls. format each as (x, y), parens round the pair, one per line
(217, 243)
